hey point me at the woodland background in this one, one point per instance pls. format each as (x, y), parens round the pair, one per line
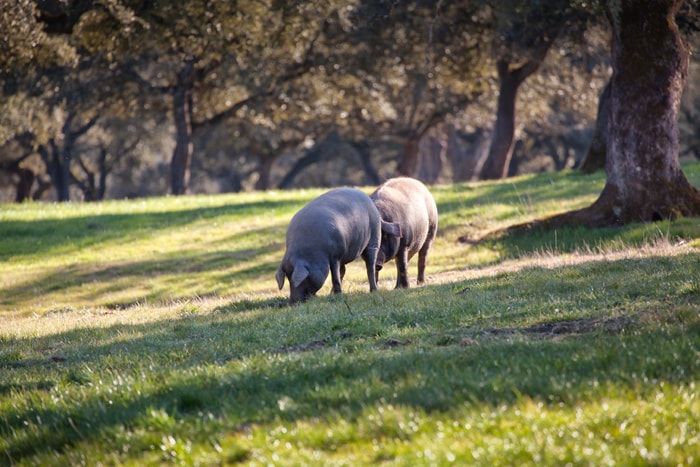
(134, 98)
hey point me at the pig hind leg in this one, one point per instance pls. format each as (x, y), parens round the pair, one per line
(370, 258)
(423, 254)
(402, 268)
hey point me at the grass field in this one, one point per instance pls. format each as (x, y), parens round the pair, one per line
(152, 332)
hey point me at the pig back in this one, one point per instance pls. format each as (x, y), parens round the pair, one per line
(339, 224)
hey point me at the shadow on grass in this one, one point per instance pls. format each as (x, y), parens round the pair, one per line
(92, 282)
(246, 367)
(253, 305)
(580, 239)
(432, 379)
(523, 192)
(95, 230)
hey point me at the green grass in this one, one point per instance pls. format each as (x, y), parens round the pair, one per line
(152, 331)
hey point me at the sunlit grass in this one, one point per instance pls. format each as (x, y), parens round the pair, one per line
(152, 332)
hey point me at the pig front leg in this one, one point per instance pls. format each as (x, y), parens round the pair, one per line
(337, 273)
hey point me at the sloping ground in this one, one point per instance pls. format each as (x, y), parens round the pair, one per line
(553, 260)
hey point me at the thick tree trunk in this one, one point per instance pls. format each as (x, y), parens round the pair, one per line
(501, 150)
(650, 68)
(644, 180)
(595, 156)
(181, 162)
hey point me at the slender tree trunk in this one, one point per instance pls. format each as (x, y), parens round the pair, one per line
(266, 162)
(181, 163)
(433, 152)
(24, 186)
(103, 171)
(595, 156)
(312, 157)
(371, 173)
(503, 139)
(23, 189)
(62, 165)
(468, 161)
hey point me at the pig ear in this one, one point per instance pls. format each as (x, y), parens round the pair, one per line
(280, 277)
(391, 228)
(300, 273)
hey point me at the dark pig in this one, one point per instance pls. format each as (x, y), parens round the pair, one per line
(329, 232)
(408, 203)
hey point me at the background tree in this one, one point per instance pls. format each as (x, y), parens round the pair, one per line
(526, 31)
(423, 61)
(292, 93)
(689, 24)
(25, 118)
(644, 180)
(215, 58)
(595, 156)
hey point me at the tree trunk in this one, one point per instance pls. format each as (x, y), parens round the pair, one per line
(409, 161)
(103, 171)
(501, 150)
(266, 163)
(181, 162)
(644, 180)
(57, 162)
(467, 159)
(650, 67)
(26, 177)
(595, 156)
(371, 173)
(24, 186)
(432, 149)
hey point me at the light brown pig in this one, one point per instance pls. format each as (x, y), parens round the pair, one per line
(408, 203)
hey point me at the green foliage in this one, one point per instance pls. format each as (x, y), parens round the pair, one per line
(268, 80)
(151, 332)
(24, 40)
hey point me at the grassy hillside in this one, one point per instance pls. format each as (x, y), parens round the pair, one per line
(153, 331)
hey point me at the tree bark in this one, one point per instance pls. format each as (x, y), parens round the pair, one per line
(263, 182)
(409, 161)
(595, 156)
(57, 163)
(650, 67)
(501, 150)
(644, 180)
(26, 177)
(24, 186)
(180, 164)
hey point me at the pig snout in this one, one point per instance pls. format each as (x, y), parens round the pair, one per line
(329, 232)
(303, 282)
